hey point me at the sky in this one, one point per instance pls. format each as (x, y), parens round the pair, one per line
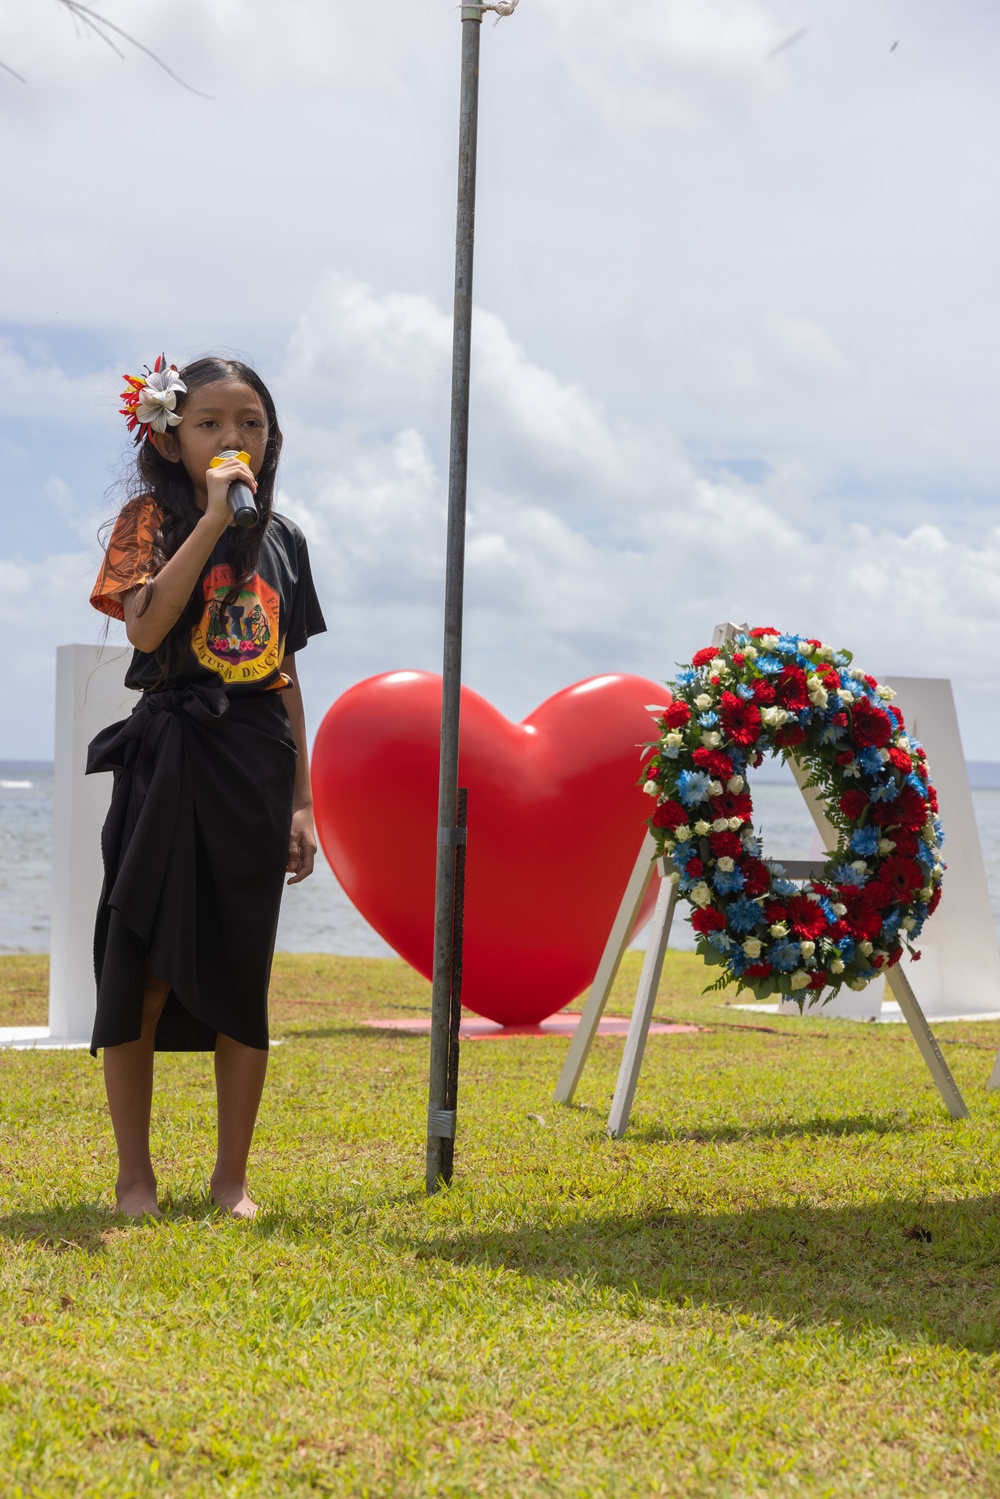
(734, 345)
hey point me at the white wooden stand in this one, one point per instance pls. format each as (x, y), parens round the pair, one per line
(89, 696)
(646, 866)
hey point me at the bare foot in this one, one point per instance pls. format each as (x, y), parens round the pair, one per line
(235, 1199)
(137, 1200)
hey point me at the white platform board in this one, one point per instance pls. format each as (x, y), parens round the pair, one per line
(90, 694)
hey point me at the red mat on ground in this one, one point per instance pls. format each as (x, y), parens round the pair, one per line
(474, 1029)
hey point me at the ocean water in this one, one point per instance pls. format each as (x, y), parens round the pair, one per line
(316, 916)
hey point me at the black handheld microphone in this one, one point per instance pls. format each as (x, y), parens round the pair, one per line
(240, 495)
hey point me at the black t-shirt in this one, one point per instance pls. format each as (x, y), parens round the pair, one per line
(239, 645)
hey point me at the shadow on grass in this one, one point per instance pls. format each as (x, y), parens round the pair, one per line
(819, 1127)
(84, 1227)
(287, 1030)
(921, 1271)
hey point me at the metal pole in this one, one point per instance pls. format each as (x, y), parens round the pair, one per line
(441, 1118)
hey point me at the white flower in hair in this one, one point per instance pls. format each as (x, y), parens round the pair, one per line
(158, 399)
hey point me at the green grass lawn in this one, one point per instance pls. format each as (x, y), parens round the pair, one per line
(784, 1281)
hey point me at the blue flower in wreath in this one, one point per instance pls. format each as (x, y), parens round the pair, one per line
(753, 846)
(743, 915)
(720, 941)
(864, 841)
(686, 676)
(845, 875)
(846, 947)
(870, 761)
(886, 791)
(692, 787)
(743, 691)
(683, 852)
(708, 720)
(918, 785)
(785, 956)
(728, 881)
(890, 925)
(788, 645)
(831, 732)
(738, 961)
(925, 854)
(784, 887)
(771, 666)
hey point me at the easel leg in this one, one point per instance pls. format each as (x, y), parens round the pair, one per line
(607, 970)
(642, 1013)
(924, 1037)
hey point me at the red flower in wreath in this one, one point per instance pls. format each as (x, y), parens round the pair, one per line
(715, 762)
(725, 845)
(756, 877)
(903, 875)
(740, 720)
(871, 728)
(703, 657)
(733, 804)
(908, 810)
(677, 715)
(792, 691)
(853, 803)
(900, 759)
(790, 735)
(708, 920)
(669, 815)
(762, 691)
(807, 917)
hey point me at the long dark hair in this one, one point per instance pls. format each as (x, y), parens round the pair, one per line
(169, 485)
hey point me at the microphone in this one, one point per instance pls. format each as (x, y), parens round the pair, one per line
(240, 496)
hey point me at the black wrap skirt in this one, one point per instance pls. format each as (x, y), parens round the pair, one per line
(195, 847)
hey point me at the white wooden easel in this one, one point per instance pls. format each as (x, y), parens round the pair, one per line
(646, 865)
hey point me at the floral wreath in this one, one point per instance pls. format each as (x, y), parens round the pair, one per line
(150, 400)
(763, 691)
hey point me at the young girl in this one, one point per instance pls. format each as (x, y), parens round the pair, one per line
(211, 799)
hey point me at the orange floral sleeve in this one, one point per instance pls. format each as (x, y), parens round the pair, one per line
(129, 556)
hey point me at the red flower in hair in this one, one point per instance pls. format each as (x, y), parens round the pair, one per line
(740, 720)
(677, 715)
(669, 815)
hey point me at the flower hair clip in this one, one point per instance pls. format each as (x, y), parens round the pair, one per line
(150, 400)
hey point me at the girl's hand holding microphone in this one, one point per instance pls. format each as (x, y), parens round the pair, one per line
(231, 487)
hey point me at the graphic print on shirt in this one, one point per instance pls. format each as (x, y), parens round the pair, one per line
(239, 641)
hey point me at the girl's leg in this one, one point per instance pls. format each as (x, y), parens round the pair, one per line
(239, 1082)
(128, 1079)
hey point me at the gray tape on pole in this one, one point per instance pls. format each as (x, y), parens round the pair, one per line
(441, 1123)
(454, 836)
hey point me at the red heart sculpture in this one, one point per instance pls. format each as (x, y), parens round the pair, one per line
(555, 823)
